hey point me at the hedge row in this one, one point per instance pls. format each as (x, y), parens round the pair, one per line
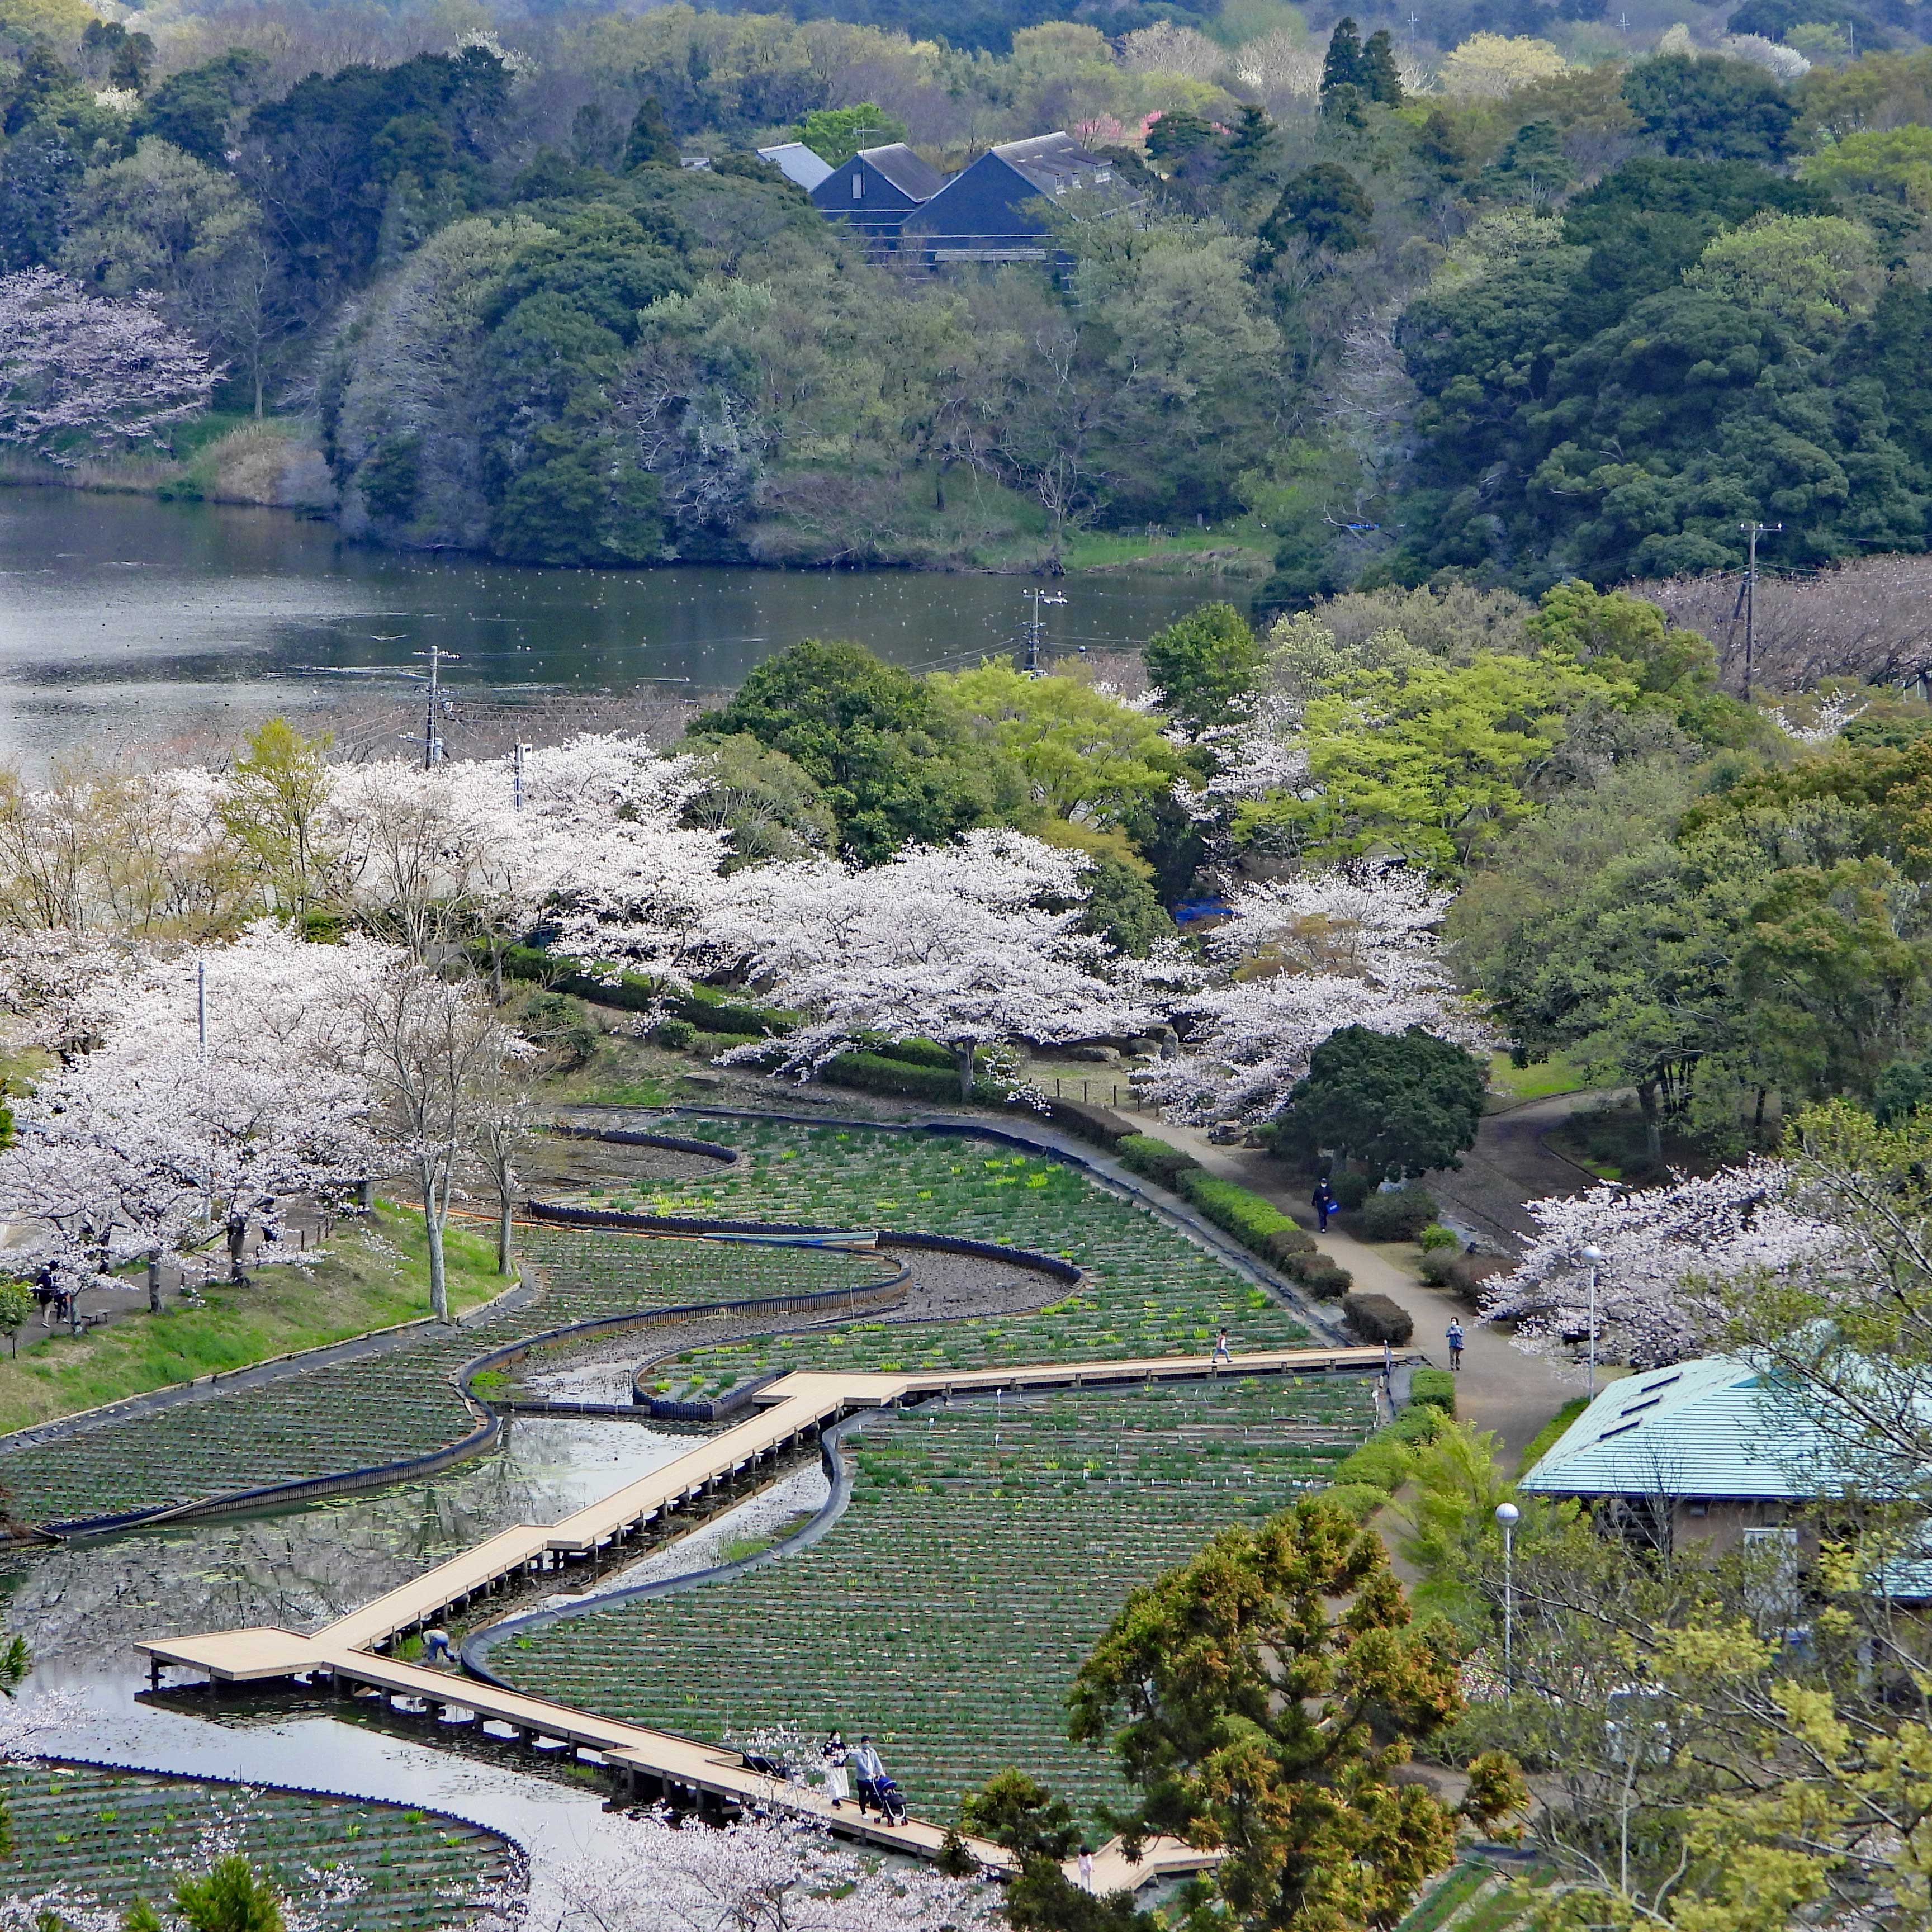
(1255, 1222)
(1376, 1318)
(1365, 1480)
(878, 1073)
(1435, 1387)
(703, 1007)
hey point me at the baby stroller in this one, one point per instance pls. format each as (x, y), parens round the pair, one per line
(891, 1800)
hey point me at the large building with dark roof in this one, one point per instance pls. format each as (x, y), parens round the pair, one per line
(989, 212)
(878, 188)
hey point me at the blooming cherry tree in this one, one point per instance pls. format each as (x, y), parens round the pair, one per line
(75, 365)
(777, 1874)
(970, 944)
(1298, 959)
(1668, 1254)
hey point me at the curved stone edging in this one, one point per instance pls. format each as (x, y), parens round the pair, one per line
(570, 1130)
(476, 1648)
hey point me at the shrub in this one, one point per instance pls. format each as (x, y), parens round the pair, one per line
(1418, 1424)
(1154, 1160)
(1462, 1275)
(1100, 1125)
(1384, 1459)
(875, 1073)
(1436, 1236)
(1358, 1501)
(1329, 1282)
(676, 1034)
(1285, 1242)
(1399, 1216)
(232, 1898)
(1246, 1216)
(1376, 1318)
(1435, 1387)
(1350, 1189)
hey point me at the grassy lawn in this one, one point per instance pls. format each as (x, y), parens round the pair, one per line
(359, 1284)
(1535, 1082)
(1540, 1444)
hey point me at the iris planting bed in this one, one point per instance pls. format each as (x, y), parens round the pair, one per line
(387, 1407)
(1150, 1290)
(985, 1547)
(115, 1836)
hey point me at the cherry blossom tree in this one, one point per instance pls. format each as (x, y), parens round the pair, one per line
(591, 842)
(1673, 1256)
(155, 1141)
(1298, 959)
(775, 1874)
(76, 365)
(971, 944)
(431, 1050)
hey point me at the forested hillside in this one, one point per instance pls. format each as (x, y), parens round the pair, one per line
(1543, 304)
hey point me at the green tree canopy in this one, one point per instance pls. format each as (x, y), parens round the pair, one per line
(891, 762)
(1399, 1103)
(1249, 1713)
(1207, 666)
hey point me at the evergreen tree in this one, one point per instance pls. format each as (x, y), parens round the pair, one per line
(1343, 66)
(650, 144)
(1380, 78)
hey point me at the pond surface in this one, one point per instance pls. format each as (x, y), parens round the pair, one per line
(82, 1607)
(128, 620)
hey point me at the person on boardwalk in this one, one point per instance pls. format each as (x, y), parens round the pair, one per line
(864, 1764)
(1221, 1351)
(837, 1786)
(1455, 1343)
(1324, 1202)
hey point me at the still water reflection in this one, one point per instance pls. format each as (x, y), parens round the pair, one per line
(82, 1607)
(122, 616)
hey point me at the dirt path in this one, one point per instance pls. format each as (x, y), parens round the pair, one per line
(1513, 1394)
(1511, 1163)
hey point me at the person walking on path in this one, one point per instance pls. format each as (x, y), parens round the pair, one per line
(1221, 1351)
(1086, 1867)
(1324, 1202)
(837, 1786)
(863, 1763)
(1455, 1342)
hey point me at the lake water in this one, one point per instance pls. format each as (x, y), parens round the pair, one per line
(125, 621)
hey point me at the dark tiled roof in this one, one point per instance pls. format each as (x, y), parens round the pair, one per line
(914, 177)
(1054, 163)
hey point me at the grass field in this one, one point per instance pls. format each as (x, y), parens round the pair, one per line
(360, 1284)
(986, 1547)
(113, 1837)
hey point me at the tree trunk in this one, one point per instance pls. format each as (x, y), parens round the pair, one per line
(1653, 1128)
(434, 1208)
(153, 1284)
(238, 1238)
(496, 970)
(505, 1257)
(965, 1054)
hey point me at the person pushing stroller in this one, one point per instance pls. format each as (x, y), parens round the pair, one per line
(872, 1786)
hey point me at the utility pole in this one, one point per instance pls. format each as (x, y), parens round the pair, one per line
(432, 744)
(517, 777)
(1036, 628)
(1753, 532)
(201, 1004)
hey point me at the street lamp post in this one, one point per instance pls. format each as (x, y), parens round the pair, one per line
(1596, 1258)
(1508, 1515)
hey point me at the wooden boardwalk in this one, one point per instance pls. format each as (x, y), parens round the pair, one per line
(792, 1412)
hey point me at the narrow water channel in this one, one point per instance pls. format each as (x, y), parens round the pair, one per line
(82, 1607)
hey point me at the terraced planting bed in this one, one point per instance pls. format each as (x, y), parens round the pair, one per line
(398, 1404)
(1150, 1290)
(115, 1836)
(985, 1547)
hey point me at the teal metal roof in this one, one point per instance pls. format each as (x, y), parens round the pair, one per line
(1711, 1427)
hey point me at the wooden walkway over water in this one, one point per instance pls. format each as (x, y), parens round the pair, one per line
(791, 1414)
